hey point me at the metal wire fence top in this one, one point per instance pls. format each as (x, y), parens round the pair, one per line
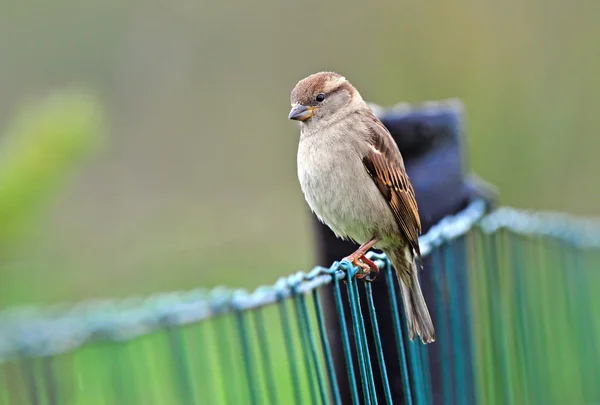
(33, 331)
(36, 331)
(508, 291)
(580, 232)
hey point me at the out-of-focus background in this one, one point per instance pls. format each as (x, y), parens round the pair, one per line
(194, 183)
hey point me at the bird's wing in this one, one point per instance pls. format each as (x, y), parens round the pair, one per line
(385, 166)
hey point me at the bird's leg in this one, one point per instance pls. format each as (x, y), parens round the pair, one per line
(370, 269)
(359, 259)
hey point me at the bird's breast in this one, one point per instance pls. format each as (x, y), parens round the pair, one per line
(339, 190)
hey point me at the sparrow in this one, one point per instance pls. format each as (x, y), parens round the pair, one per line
(353, 178)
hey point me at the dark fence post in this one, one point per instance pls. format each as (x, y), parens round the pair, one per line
(431, 140)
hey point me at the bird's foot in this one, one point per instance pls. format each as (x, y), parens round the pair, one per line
(368, 269)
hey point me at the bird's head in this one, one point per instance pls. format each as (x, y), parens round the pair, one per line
(322, 97)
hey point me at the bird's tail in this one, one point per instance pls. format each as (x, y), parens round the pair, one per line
(417, 314)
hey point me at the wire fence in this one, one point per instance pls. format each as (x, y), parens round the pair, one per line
(516, 309)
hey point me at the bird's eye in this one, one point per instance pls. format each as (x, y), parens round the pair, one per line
(320, 97)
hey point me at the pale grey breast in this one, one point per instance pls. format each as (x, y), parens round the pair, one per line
(339, 190)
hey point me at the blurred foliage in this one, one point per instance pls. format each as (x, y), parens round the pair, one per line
(198, 184)
(41, 147)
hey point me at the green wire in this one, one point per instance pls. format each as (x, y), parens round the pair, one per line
(267, 365)
(203, 361)
(291, 353)
(312, 346)
(181, 363)
(578, 284)
(304, 342)
(378, 347)
(247, 355)
(459, 356)
(518, 270)
(398, 332)
(345, 342)
(414, 362)
(365, 344)
(51, 388)
(228, 379)
(442, 327)
(499, 366)
(425, 373)
(29, 370)
(363, 351)
(333, 384)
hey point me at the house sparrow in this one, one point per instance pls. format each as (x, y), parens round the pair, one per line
(353, 178)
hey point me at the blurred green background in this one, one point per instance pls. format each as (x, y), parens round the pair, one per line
(195, 181)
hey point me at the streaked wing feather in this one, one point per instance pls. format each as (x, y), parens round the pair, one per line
(386, 167)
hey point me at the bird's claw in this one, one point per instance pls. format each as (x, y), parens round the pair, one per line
(368, 270)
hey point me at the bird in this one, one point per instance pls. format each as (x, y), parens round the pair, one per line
(352, 175)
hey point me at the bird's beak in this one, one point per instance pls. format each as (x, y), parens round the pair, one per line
(300, 112)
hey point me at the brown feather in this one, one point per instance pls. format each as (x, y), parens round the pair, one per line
(386, 167)
(323, 82)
